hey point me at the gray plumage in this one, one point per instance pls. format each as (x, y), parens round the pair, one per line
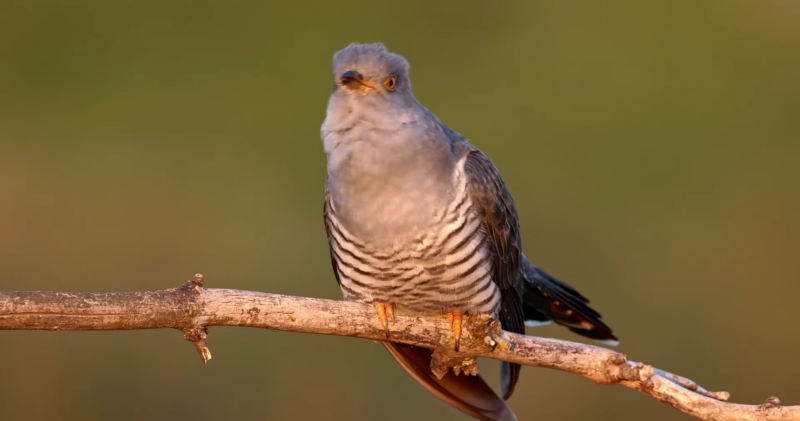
(419, 218)
(404, 229)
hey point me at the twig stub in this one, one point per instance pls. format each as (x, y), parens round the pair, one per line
(197, 333)
(197, 336)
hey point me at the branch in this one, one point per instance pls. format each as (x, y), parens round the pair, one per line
(192, 309)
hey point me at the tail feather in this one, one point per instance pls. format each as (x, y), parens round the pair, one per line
(547, 298)
(469, 394)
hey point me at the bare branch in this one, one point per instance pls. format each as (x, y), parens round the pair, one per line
(192, 309)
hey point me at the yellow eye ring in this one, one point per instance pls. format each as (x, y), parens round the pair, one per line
(390, 83)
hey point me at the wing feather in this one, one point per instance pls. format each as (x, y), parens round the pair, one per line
(494, 203)
(327, 212)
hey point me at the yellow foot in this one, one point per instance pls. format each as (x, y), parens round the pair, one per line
(385, 315)
(455, 318)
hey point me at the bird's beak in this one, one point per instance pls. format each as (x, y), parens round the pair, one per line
(353, 80)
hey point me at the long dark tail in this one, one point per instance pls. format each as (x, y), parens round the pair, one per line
(546, 298)
(469, 394)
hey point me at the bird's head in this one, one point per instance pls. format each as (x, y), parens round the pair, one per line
(369, 69)
(370, 83)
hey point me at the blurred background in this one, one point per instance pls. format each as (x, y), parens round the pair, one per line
(652, 149)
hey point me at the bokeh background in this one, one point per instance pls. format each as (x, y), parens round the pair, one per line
(652, 149)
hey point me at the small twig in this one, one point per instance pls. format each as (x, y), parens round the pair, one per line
(192, 308)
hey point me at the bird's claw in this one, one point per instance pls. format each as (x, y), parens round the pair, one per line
(455, 319)
(385, 315)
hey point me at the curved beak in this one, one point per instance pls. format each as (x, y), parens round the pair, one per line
(351, 79)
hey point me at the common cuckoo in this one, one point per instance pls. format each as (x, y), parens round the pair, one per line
(420, 222)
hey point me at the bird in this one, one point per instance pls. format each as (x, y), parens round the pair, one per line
(419, 222)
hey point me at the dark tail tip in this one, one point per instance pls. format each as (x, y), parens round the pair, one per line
(547, 298)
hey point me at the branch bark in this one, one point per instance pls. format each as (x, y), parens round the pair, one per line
(192, 308)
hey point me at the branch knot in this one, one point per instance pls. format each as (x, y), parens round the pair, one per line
(772, 403)
(196, 283)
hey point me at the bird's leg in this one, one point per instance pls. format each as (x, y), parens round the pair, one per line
(455, 319)
(385, 315)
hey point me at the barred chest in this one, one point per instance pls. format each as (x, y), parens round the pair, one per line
(444, 266)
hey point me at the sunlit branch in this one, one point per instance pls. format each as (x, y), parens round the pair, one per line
(192, 309)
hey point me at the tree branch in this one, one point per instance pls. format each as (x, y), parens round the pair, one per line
(192, 309)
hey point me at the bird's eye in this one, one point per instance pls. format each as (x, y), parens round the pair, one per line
(390, 83)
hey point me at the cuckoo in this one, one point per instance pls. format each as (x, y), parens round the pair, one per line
(419, 222)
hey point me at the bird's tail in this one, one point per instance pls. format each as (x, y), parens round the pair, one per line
(546, 298)
(469, 394)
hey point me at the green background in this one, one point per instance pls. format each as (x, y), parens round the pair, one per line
(652, 149)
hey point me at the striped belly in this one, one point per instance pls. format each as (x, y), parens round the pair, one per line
(445, 267)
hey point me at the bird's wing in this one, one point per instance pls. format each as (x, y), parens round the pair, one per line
(326, 213)
(493, 202)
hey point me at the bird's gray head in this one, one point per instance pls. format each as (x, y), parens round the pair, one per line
(370, 68)
(370, 84)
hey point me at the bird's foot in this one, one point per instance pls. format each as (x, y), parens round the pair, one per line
(444, 361)
(385, 315)
(455, 318)
(497, 337)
